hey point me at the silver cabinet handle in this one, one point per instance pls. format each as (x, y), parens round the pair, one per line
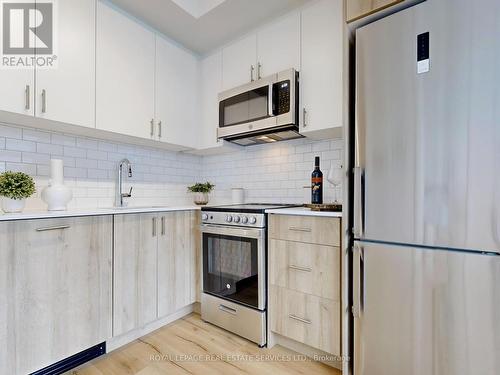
(358, 226)
(259, 66)
(57, 227)
(252, 68)
(302, 320)
(44, 101)
(228, 310)
(299, 268)
(304, 113)
(152, 124)
(27, 97)
(270, 109)
(297, 229)
(154, 227)
(163, 225)
(159, 129)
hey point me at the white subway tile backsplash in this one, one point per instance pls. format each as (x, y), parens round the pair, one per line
(51, 149)
(11, 132)
(20, 145)
(63, 140)
(75, 152)
(9, 155)
(269, 173)
(21, 167)
(35, 135)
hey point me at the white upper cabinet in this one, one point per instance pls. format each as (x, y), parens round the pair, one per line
(176, 94)
(210, 86)
(67, 92)
(17, 86)
(321, 74)
(271, 49)
(278, 46)
(239, 61)
(17, 91)
(125, 75)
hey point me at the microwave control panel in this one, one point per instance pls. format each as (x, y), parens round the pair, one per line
(281, 97)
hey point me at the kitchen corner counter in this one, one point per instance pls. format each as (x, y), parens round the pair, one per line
(303, 211)
(28, 215)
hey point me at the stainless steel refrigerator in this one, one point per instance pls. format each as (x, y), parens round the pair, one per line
(426, 264)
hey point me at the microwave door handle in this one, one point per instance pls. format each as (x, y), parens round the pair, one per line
(270, 101)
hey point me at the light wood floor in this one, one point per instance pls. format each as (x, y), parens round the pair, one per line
(162, 351)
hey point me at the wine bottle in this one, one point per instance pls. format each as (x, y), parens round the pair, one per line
(316, 184)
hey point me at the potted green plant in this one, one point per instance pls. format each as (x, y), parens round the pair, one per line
(201, 191)
(15, 187)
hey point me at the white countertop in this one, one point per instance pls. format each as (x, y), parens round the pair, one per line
(26, 215)
(303, 211)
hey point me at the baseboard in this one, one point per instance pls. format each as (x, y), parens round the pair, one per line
(126, 338)
(313, 353)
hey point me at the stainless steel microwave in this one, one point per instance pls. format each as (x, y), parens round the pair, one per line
(262, 111)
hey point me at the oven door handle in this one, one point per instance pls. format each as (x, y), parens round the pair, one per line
(257, 233)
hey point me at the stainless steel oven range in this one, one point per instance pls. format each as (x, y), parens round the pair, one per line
(234, 243)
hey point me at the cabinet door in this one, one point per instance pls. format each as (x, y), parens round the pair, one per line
(124, 74)
(210, 86)
(357, 9)
(17, 85)
(178, 265)
(321, 75)
(134, 267)
(55, 290)
(176, 94)
(69, 89)
(239, 62)
(278, 46)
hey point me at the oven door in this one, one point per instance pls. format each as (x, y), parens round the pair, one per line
(265, 104)
(234, 264)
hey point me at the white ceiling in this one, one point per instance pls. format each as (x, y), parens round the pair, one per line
(203, 25)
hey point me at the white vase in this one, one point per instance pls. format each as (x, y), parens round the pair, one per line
(200, 198)
(56, 195)
(10, 205)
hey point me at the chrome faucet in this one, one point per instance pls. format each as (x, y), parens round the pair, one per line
(120, 195)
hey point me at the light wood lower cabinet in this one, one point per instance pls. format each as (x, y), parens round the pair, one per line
(308, 229)
(156, 267)
(134, 267)
(305, 280)
(306, 318)
(178, 261)
(55, 289)
(308, 268)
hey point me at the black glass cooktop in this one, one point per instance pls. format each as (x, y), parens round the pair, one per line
(248, 207)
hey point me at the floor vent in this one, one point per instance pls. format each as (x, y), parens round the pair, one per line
(73, 361)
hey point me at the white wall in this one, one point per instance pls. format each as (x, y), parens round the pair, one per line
(269, 173)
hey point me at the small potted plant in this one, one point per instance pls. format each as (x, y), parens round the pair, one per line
(15, 187)
(201, 192)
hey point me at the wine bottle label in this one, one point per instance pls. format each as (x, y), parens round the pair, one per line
(317, 180)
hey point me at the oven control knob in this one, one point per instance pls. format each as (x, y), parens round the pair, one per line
(229, 218)
(252, 219)
(204, 216)
(244, 219)
(236, 219)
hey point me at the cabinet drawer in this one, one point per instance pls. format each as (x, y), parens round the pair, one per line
(308, 268)
(305, 318)
(309, 229)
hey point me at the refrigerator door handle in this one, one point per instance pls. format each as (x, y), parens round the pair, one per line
(359, 280)
(359, 209)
